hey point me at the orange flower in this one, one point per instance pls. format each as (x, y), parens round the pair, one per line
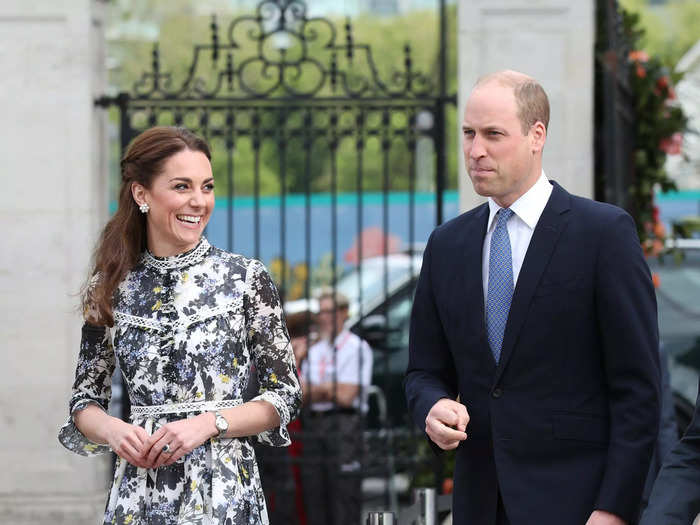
(638, 56)
(447, 486)
(672, 145)
(659, 230)
(641, 72)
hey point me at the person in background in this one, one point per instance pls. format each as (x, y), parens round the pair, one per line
(675, 498)
(335, 376)
(279, 467)
(668, 428)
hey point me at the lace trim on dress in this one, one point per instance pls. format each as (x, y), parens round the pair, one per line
(178, 408)
(178, 326)
(282, 410)
(141, 322)
(177, 261)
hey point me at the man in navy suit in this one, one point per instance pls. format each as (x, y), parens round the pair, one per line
(675, 499)
(534, 338)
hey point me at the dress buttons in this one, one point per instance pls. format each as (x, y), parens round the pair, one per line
(497, 392)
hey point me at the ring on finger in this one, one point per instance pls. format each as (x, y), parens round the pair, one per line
(166, 449)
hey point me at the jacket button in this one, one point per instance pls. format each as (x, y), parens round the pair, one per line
(497, 392)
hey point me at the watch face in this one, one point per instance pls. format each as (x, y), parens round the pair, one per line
(221, 423)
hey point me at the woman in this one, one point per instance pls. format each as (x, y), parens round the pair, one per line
(184, 321)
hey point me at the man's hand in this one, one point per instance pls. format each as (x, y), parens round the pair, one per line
(600, 517)
(446, 423)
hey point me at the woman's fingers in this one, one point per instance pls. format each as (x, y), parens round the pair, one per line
(141, 434)
(177, 454)
(130, 454)
(155, 437)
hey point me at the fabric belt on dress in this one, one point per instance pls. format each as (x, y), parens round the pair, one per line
(178, 408)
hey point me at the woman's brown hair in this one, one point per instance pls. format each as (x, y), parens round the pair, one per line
(123, 239)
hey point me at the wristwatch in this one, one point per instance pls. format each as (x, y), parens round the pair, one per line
(221, 423)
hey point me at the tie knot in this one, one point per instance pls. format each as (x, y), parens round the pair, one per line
(503, 215)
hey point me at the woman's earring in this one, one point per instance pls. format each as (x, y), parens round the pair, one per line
(144, 208)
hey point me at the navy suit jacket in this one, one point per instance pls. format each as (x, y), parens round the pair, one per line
(675, 499)
(567, 420)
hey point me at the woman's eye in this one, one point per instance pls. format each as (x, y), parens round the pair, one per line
(181, 186)
(209, 187)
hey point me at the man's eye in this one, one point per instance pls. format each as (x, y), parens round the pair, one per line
(468, 132)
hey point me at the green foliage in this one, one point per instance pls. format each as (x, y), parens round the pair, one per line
(669, 30)
(179, 27)
(659, 124)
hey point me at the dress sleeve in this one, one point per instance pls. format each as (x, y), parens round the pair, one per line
(93, 385)
(271, 352)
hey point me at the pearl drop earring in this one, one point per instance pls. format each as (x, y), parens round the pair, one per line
(144, 208)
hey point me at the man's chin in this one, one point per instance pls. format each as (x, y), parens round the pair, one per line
(482, 189)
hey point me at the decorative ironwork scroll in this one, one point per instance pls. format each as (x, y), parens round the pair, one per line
(280, 52)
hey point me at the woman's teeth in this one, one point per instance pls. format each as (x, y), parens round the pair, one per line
(189, 218)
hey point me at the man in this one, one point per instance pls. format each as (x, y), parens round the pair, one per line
(533, 346)
(335, 377)
(675, 499)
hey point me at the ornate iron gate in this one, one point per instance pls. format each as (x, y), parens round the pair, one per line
(615, 114)
(286, 94)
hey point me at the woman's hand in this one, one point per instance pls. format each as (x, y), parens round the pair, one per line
(182, 437)
(127, 441)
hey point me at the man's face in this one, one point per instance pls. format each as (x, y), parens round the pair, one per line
(500, 160)
(326, 317)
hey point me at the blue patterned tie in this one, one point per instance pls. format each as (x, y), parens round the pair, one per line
(500, 287)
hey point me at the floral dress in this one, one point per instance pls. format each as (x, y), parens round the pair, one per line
(187, 330)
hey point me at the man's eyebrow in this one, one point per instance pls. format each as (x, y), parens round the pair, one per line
(492, 127)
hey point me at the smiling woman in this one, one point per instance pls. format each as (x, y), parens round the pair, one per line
(179, 200)
(185, 322)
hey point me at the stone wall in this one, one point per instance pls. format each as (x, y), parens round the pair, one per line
(551, 40)
(52, 202)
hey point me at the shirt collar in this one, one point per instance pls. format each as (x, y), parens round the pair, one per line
(529, 206)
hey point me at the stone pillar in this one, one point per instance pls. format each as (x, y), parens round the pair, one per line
(52, 203)
(551, 40)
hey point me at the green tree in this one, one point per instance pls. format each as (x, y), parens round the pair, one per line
(180, 26)
(670, 30)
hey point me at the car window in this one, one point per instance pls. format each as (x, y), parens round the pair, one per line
(678, 300)
(398, 269)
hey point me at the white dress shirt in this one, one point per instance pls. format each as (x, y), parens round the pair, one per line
(527, 210)
(352, 352)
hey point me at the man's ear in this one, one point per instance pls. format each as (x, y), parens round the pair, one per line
(538, 134)
(138, 192)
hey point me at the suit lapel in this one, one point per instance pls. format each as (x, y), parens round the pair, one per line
(550, 225)
(474, 288)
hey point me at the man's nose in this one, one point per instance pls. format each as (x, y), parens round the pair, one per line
(477, 149)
